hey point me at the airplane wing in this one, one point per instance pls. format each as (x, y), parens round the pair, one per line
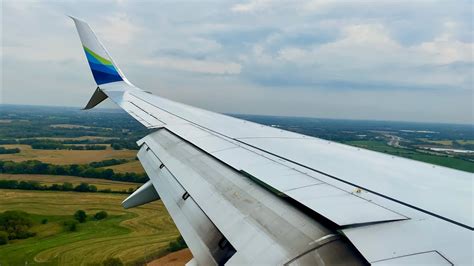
(245, 193)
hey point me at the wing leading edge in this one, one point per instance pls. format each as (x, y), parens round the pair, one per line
(388, 208)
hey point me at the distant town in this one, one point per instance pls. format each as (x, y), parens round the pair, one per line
(449, 145)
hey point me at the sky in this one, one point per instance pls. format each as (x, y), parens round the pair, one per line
(381, 60)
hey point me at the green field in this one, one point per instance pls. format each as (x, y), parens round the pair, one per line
(446, 161)
(133, 235)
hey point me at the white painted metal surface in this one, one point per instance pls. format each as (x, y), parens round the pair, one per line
(427, 258)
(264, 229)
(413, 236)
(359, 190)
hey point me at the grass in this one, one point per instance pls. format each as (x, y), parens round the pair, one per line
(65, 156)
(131, 235)
(130, 167)
(415, 155)
(55, 179)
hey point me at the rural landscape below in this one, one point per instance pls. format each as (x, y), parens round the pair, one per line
(64, 173)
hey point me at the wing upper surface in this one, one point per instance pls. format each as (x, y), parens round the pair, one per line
(406, 181)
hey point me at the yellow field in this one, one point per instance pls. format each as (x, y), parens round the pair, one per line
(130, 167)
(441, 142)
(174, 259)
(65, 156)
(132, 235)
(464, 142)
(57, 179)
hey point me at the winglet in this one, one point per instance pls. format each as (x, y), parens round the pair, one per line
(102, 65)
(98, 97)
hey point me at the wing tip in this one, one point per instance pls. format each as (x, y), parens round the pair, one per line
(75, 18)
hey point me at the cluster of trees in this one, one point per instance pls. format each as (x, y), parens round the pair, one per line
(108, 162)
(46, 144)
(38, 167)
(80, 216)
(101, 215)
(8, 141)
(70, 225)
(66, 186)
(57, 146)
(14, 225)
(178, 244)
(4, 150)
(124, 144)
(86, 144)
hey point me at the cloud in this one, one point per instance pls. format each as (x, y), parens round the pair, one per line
(301, 6)
(300, 57)
(192, 65)
(251, 6)
(445, 50)
(365, 57)
(118, 28)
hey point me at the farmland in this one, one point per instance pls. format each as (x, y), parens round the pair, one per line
(131, 167)
(416, 155)
(65, 156)
(139, 235)
(133, 235)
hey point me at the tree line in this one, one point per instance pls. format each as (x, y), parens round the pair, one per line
(45, 144)
(81, 170)
(86, 144)
(4, 150)
(58, 146)
(66, 186)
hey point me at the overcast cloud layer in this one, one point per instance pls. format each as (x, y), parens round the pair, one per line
(386, 60)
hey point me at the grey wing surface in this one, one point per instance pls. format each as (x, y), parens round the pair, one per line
(245, 193)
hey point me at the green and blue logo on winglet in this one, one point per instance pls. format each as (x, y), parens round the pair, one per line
(102, 69)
